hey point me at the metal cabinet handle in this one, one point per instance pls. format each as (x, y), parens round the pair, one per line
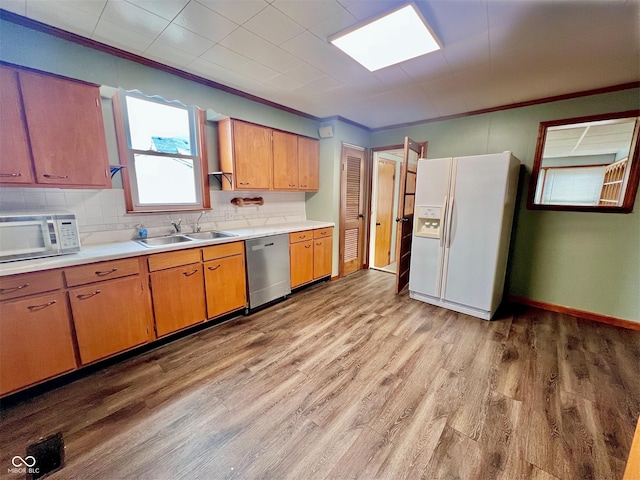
(84, 296)
(318, 243)
(243, 183)
(14, 289)
(40, 307)
(307, 246)
(214, 268)
(105, 272)
(188, 274)
(303, 185)
(12, 175)
(292, 184)
(49, 175)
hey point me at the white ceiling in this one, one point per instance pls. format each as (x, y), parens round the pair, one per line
(496, 52)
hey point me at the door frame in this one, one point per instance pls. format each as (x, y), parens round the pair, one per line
(370, 166)
(365, 206)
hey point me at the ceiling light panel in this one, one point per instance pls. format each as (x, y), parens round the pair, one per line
(393, 38)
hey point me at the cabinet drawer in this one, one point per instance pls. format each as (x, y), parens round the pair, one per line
(162, 261)
(15, 286)
(323, 232)
(300, 236)
(221, 251)
(97, 272)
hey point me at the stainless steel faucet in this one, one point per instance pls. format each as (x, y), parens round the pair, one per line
(177, 226)
(198, 220)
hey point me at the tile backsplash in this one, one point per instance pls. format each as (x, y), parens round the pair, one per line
(102, 217)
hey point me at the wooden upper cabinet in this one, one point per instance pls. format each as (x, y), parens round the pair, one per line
(66, 131)
(261, 158)
(308, 164)
(285, 161)
(246, 152)
(15, 159)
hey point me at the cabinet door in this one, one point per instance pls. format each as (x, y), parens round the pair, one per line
(66, 131)
(253, 156)
(322, 248)
(301, 256)
(15, 159)
(309, 163)
(226, 287)
(35, 341)
(285, 161)
(178, 298)
(110, 317)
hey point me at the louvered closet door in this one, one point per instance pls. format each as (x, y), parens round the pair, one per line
(351, 209)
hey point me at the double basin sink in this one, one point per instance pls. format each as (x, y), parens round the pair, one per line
(180, 238)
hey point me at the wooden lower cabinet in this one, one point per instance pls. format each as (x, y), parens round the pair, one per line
(310, 255)
(35, 341)
(322, 261)
(226, 286)
(111, 317)
(178, 298)
(301, 259)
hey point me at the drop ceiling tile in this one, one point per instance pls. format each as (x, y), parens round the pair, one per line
(481, 88)
(467, 53)
(393, 76)
(304, 73)
(273, 25)
(283, 82)
(309, 12)
(167, 9)
(62, 16)
(209, 70)
(225, 57)
(121, 37)
(134, 18)
(445, 95)
(15, 6)
(205, 22)
(185, 40)
(335, 23)
(256, 71)
(168, 55)
(239, 11)
(457, 20)
(427, 67)
(363, 9)
(94, 7)
(252, 46)
(322, 84)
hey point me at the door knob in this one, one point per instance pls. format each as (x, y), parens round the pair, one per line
(360, 215)
(378, 224)
(402, 220)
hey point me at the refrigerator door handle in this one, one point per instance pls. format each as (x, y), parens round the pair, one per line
(450, 226)
(443, 220)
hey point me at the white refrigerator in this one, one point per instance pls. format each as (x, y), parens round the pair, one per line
(462, 227)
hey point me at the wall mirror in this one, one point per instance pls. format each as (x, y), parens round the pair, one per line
(587, 164)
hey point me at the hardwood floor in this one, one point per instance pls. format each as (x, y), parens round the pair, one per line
(347, 380)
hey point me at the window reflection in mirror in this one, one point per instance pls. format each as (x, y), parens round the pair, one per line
(587, 163)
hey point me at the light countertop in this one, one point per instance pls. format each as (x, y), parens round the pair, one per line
(116, 250)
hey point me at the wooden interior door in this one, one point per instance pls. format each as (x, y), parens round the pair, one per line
(406, 203)
(352, 178)
(384, 212)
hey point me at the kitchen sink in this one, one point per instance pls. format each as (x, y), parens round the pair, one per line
(158, 241)
(209, 235)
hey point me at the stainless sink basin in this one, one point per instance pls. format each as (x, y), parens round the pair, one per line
(158, 241)
(209, 235)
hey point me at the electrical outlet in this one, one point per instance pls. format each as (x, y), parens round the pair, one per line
(228, 216)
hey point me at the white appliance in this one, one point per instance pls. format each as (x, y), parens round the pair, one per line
(462, 227)
(25, 235)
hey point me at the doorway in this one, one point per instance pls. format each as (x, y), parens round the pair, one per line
(386, 164)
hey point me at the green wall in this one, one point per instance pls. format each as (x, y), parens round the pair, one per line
(587, 261)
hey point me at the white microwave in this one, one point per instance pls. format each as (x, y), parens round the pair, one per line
(34, 235)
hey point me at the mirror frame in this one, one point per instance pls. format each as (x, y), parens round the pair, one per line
(634, 174)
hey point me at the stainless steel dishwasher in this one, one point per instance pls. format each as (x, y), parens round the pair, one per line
(268, 269)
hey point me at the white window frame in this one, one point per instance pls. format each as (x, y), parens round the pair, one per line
(127, 155)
